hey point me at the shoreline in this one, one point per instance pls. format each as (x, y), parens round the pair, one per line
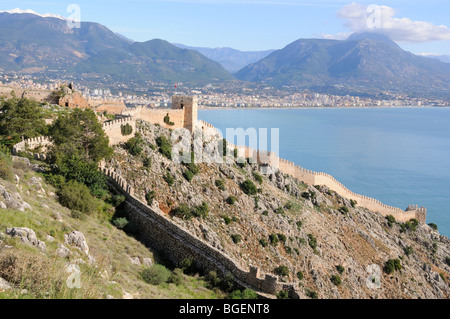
(315, 107)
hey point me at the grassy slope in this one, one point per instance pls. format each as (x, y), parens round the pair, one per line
(112, 274)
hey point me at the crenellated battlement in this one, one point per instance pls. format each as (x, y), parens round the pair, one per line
(319, 178)
(33, 143)
(163, 234)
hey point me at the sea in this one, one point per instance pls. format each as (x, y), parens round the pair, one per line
(399, 155)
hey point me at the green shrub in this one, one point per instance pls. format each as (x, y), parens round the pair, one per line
(120, 222)
(299, 224)
(311, 294)
(176, 277)
(300, 275)
(408, 250)
(193, 167)
(165, 147)
(236, 238)
(117, 200)
(237, 294)
(279, 211)
(156, 274)
(265, 213)
(249, 188)
(213, 279)
(263, 242)
(167, 120)
(288, 205)
(76, 196)
(5, 164)
(170, 180)
(392, 265)
(188, 175)
(282, 294)
(336, 280)
(353, 203)
(183, 211)
(149, 197)
(231, 200)
(226, 219)
(344, 210)
(312, 241)
(306, 195)
(282, 271)
(201, 211)
(340, 269)
(433, 225)
(188, 265)
(249, 294)
(257, 178)
(390, 220)
(134, 145)
(126, 129)
(147, 162)
(412, 224)
(282, 237)
(220, 184)
(273, 239)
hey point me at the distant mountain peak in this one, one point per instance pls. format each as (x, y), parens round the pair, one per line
(374, 36)
(28, 11)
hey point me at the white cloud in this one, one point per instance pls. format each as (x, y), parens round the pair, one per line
(360, 18)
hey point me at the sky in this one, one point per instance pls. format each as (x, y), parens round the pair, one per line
(253, 25)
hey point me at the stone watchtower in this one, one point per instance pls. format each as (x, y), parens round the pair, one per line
(189, 105)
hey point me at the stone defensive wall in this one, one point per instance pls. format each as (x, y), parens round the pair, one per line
(41, 142)
(156, 116)
(158, 231)
(318, 178)
(114, 130)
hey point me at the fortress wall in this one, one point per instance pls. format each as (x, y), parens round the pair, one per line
(114, 131)
(159, 232)
(313, 178)
(156, 116)
(31, 144)
(37, 95)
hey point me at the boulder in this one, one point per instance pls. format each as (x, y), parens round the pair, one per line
(4, 285)
(63, 251)
(27, 236)
(78, 240)
(12, 201)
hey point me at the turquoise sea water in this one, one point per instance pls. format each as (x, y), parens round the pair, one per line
(399, 156)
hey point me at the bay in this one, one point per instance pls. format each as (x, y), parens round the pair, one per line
(399, 156)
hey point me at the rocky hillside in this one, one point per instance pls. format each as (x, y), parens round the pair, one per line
(328, 245)
(42, 243)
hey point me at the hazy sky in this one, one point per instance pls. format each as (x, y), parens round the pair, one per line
(418, 26)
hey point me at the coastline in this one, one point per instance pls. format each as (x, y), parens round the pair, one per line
(201, 107)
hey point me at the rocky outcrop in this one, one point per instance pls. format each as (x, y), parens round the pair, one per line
(78, 240)
(27, 235)
(12, 200)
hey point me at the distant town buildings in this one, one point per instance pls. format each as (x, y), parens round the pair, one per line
(210, 96)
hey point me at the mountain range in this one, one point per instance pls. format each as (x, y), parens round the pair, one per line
(365, 63)
(31, 43)
(368, 61)
(231, 59)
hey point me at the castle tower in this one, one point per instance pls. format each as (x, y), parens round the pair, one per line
(189, 105)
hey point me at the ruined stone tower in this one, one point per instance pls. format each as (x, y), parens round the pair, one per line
(189, 105)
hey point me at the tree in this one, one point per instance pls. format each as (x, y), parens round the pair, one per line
(80, 134)
(21, 118)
